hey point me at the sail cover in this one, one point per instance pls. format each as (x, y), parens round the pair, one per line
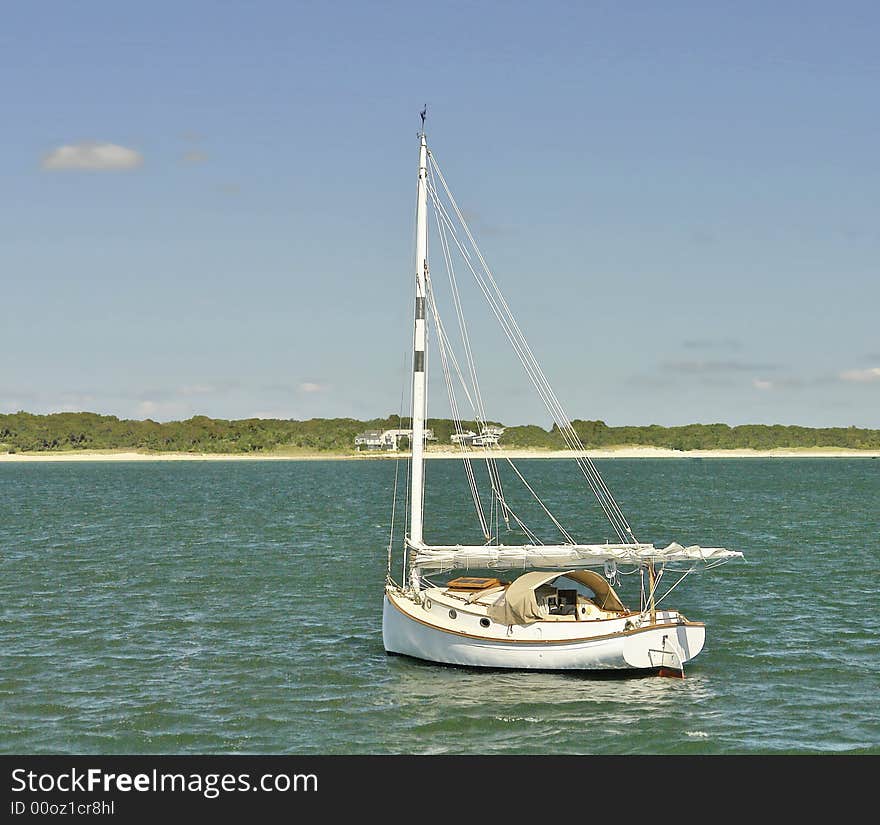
(519, 604)
(502, 557)
(604, 594)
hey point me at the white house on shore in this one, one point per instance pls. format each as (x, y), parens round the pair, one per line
(385, 439)
(487, 437)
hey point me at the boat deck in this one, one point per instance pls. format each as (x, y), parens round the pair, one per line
(479, 601)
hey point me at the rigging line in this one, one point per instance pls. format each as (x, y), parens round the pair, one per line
(443, 343)
(472, 482)
(652, 592)
(448, 355)
(497, 311)
(526, 354)
(545, 392)
(561, 529)
(414, 264)
(393, 507)
(496, 289)
(406, 501)
(572, 442)
(495, 481)
(456, 297)
(507, 322)
(533, 538)
(442, 222)
(408, 487)
(479, 407)
(683, 577)
(501, 301)
(563, 430)
(492, 469)
(396, 473)
(717, 563)
(442, 346)
(566, 431)
(448, 262)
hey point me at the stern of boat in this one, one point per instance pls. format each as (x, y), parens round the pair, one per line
(664, 647)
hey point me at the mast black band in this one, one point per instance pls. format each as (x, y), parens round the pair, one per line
(419, 361)
(420, 308)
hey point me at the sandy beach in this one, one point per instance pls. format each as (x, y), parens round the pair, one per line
(620, 452)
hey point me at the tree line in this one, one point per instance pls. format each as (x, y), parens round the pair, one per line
(26, 432)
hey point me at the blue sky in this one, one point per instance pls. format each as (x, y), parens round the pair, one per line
(679, 200)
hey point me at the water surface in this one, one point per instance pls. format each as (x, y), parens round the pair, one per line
(235, 607)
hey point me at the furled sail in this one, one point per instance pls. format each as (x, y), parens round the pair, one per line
(503, 557)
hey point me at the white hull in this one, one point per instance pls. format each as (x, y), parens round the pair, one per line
(411, 630)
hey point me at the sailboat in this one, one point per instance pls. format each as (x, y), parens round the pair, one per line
(533, 603)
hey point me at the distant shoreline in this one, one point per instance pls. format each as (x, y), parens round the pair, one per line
(90, 436)
(519, 454)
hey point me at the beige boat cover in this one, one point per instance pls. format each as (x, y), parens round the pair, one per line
(606, 598)
(519, 605)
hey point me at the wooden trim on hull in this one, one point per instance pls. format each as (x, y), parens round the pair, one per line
(573, 640)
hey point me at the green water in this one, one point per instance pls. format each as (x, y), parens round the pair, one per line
(235, 607)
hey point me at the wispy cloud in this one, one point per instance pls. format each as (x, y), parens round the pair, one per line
(702, 237)
(310, 387)
(712, 343)
(761, 384)
(708, 367)
(200, 389)
(481, 226)
(163, 394)
(96, 157)
(15, 399)
(194, 156)
(861, 376)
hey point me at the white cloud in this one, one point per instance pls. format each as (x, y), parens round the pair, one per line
(309, 386)
(760, 384)
(93, 156)
(861, 376)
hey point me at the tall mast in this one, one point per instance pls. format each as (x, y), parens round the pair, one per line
(419, 396)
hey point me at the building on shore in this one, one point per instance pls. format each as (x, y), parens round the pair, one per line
(487, 437)
(386, 439)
